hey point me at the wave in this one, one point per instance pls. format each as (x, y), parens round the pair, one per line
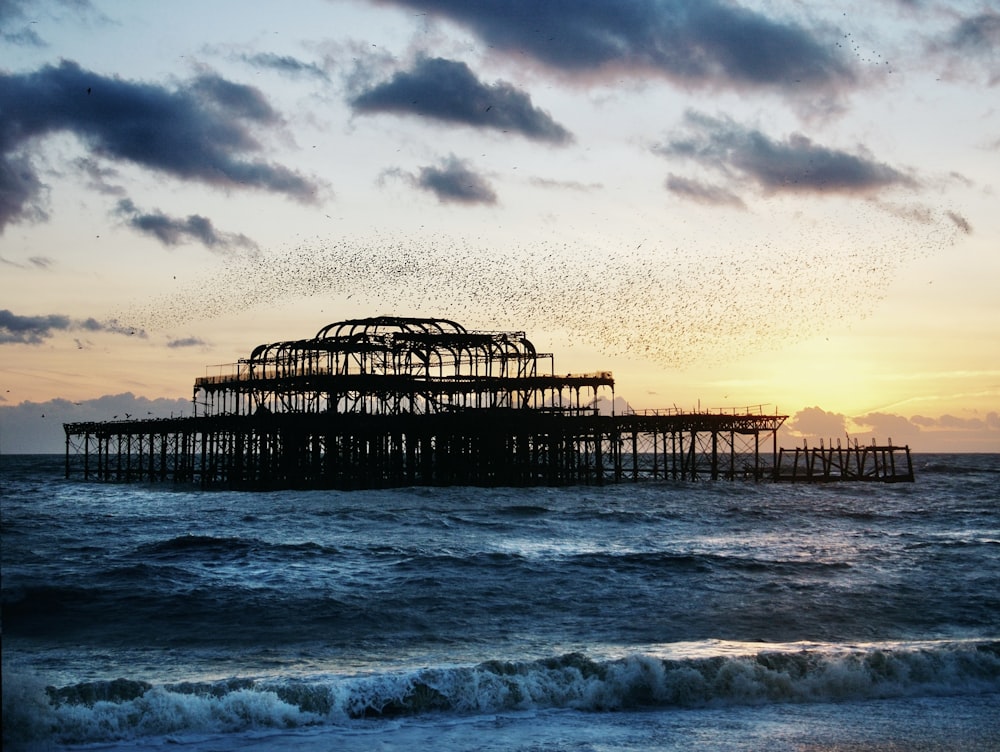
(92, 712)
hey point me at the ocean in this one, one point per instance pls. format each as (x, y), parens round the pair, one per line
(649, 616)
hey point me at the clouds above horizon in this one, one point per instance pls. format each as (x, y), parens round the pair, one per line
(172, 231)
(34, 330)
(286, 64)
(201, 130)
(452, 180)
(794, 165)
(974, 42)
(711, 42)
(702, 193)
(816, 424)
(448, 90)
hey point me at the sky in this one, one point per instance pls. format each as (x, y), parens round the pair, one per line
(784, 205)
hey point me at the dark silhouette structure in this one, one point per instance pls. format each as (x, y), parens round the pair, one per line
(391, 401)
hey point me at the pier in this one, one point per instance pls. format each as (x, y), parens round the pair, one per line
(858, 462)
(388, 402)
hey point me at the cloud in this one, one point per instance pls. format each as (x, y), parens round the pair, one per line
(186, 342)
(99, 177)
(14, 26)
(816, 422)
(453, 181)
(447, 90)
(888, 426)
(38, 262)
(173, 231)
(954, 423)
(946, 433)
(570, 185)
(705, 42)
(977, 35)
(20, 189)
(973, 45)
(34, 330)
(36, 427)
(284, 64)
(18, 28)
(199, 131)
(702, 193)
(31, 330)
(795, 165)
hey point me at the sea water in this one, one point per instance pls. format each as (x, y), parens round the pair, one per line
(650, 616)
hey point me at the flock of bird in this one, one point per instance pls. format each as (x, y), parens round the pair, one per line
(669, 302)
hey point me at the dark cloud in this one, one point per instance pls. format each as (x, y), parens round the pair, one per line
(199, 131)
(701, 42)
(25, 37)
(448, 90)
(794, 165)
(702, 193)
(15, 27)
(284, 64)
(453, 181)
(977, 35)
(173, 231)
(972, 47)
(11, 12)
(21, 191)
(30, 330)
(34, 330)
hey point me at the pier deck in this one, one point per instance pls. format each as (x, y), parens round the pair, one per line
(474, 447)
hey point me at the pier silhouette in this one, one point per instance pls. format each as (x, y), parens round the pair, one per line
(390, 401)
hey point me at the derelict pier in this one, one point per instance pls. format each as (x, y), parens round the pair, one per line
(388, 401)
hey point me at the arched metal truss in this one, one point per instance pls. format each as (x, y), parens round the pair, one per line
(398, 366)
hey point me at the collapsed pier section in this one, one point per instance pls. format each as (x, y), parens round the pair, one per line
(884, 463)
(391, 401)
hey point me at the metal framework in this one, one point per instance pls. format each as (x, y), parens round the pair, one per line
(392, 401)
(396, 366)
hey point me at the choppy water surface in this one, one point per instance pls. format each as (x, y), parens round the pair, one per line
(626, 617)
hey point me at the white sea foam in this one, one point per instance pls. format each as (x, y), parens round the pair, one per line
(78, 714)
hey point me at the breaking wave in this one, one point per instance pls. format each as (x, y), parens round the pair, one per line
(105, 711)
